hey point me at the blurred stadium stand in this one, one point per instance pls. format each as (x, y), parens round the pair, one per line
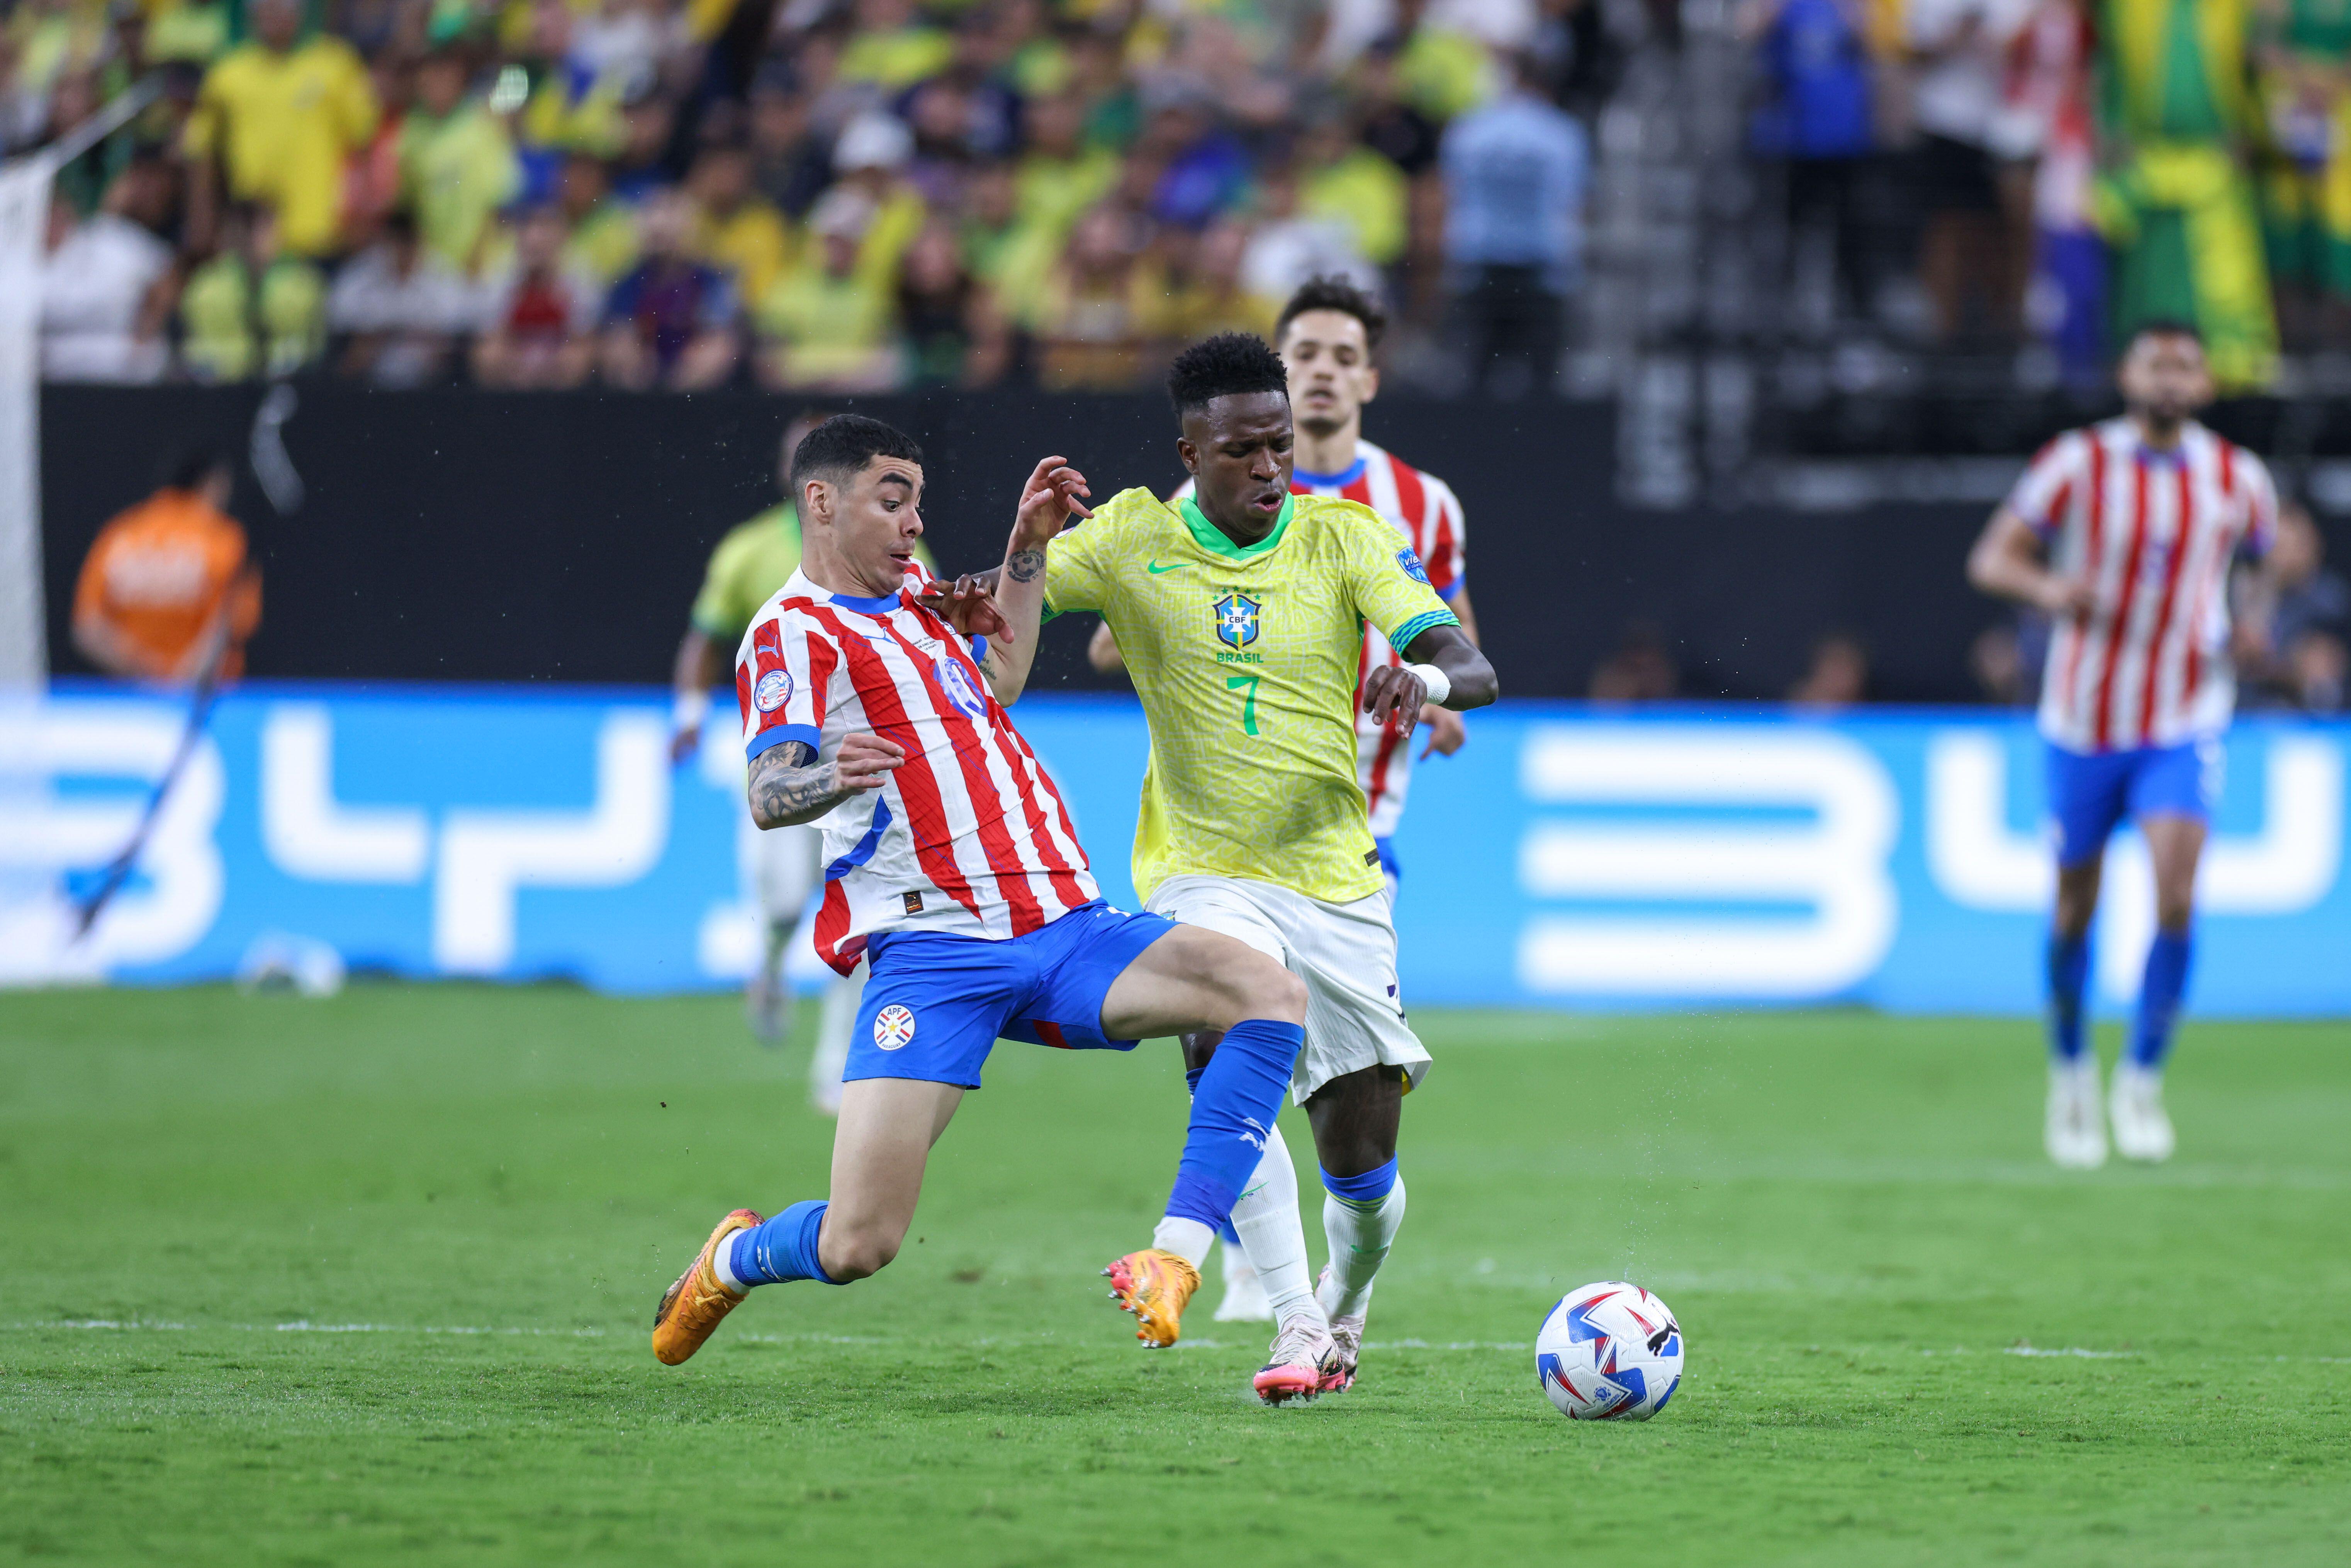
(1821, 271)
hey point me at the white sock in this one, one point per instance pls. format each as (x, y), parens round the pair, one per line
(1239, 1270)
(1187, 1238)
(722, 1261)
(1359, 1231)
(1273, 1236)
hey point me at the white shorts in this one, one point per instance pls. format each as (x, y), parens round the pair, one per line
(1345, 952)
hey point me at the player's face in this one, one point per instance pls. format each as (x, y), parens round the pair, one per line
(875, 519)
(1238, 449)
(2165, 376)
(1330, 372)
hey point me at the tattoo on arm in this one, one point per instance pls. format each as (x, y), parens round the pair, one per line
(1025, 566)
(789, 785)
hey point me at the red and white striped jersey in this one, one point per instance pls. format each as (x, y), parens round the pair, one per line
(2156, 532)
(969, 835)
(1423, 508)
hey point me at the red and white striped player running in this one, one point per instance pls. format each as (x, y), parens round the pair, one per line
(2125, 534)
(1329, 336)
(953, 870)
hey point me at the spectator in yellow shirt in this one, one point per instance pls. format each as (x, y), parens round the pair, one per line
(826, 324)
(1345, 180)
(737, 229)
(1059, 176)
(279, 115)
(892, 49)
(457, 164)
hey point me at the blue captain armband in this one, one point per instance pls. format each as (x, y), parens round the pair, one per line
(807, 735)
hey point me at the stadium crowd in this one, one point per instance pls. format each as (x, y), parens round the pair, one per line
(809, 195)
(2063, 169)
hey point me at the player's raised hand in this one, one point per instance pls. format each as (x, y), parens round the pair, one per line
(967, 605)
(1391, 690)
(866, 760)
(1048, 502)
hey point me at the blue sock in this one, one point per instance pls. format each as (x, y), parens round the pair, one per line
(1369, 1187)
(1192, 1084)
(782, 1250)
(1236, 1100)
(2069, 968)
(2159, 998)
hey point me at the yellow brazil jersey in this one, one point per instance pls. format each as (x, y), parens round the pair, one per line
(1246, 659)
(285, 123)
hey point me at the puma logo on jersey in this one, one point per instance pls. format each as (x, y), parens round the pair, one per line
(914, 902)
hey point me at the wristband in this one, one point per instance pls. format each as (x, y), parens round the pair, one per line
(687, 709)
(1440, 687)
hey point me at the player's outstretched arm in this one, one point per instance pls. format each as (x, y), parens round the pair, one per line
(2007, 563)
(697, 669)
(1048, 502)
(789, 784)
(1469, 679)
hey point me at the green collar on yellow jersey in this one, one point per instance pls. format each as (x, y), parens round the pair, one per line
(1214, 540)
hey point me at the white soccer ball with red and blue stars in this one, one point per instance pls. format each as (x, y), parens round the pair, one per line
(1609, 1352)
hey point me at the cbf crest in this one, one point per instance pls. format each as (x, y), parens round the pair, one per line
(1237, 617)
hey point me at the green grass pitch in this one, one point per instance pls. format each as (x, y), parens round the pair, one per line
(369, 1280)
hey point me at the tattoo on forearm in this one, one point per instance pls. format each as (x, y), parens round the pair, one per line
(789, 785)
(1025, 566)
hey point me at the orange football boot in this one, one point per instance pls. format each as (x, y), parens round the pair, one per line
(1153, 1286)
(694, 1306)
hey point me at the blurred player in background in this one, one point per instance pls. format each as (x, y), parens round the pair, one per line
(958, 872)
(1329, 337)
(168, 592)
(781, 866)
(1241, 611)
(2125, 534)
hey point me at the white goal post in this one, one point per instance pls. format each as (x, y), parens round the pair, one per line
(23, 225)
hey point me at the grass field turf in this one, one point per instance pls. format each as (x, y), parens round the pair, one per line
(389, 1261)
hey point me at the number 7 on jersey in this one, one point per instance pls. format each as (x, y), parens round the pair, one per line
(1249, 702)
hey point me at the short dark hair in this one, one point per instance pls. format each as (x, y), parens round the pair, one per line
(2162, 327)
(1335, 294)
(1230, 364)
(188, 469)
(837, 450)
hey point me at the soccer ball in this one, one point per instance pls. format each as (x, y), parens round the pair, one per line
(1609, 1352)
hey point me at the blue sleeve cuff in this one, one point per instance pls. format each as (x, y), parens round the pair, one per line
(978, 650)
(807, 734)
(1451, 589)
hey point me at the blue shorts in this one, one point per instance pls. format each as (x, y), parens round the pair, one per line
(2090, 793)
(936, 1004)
